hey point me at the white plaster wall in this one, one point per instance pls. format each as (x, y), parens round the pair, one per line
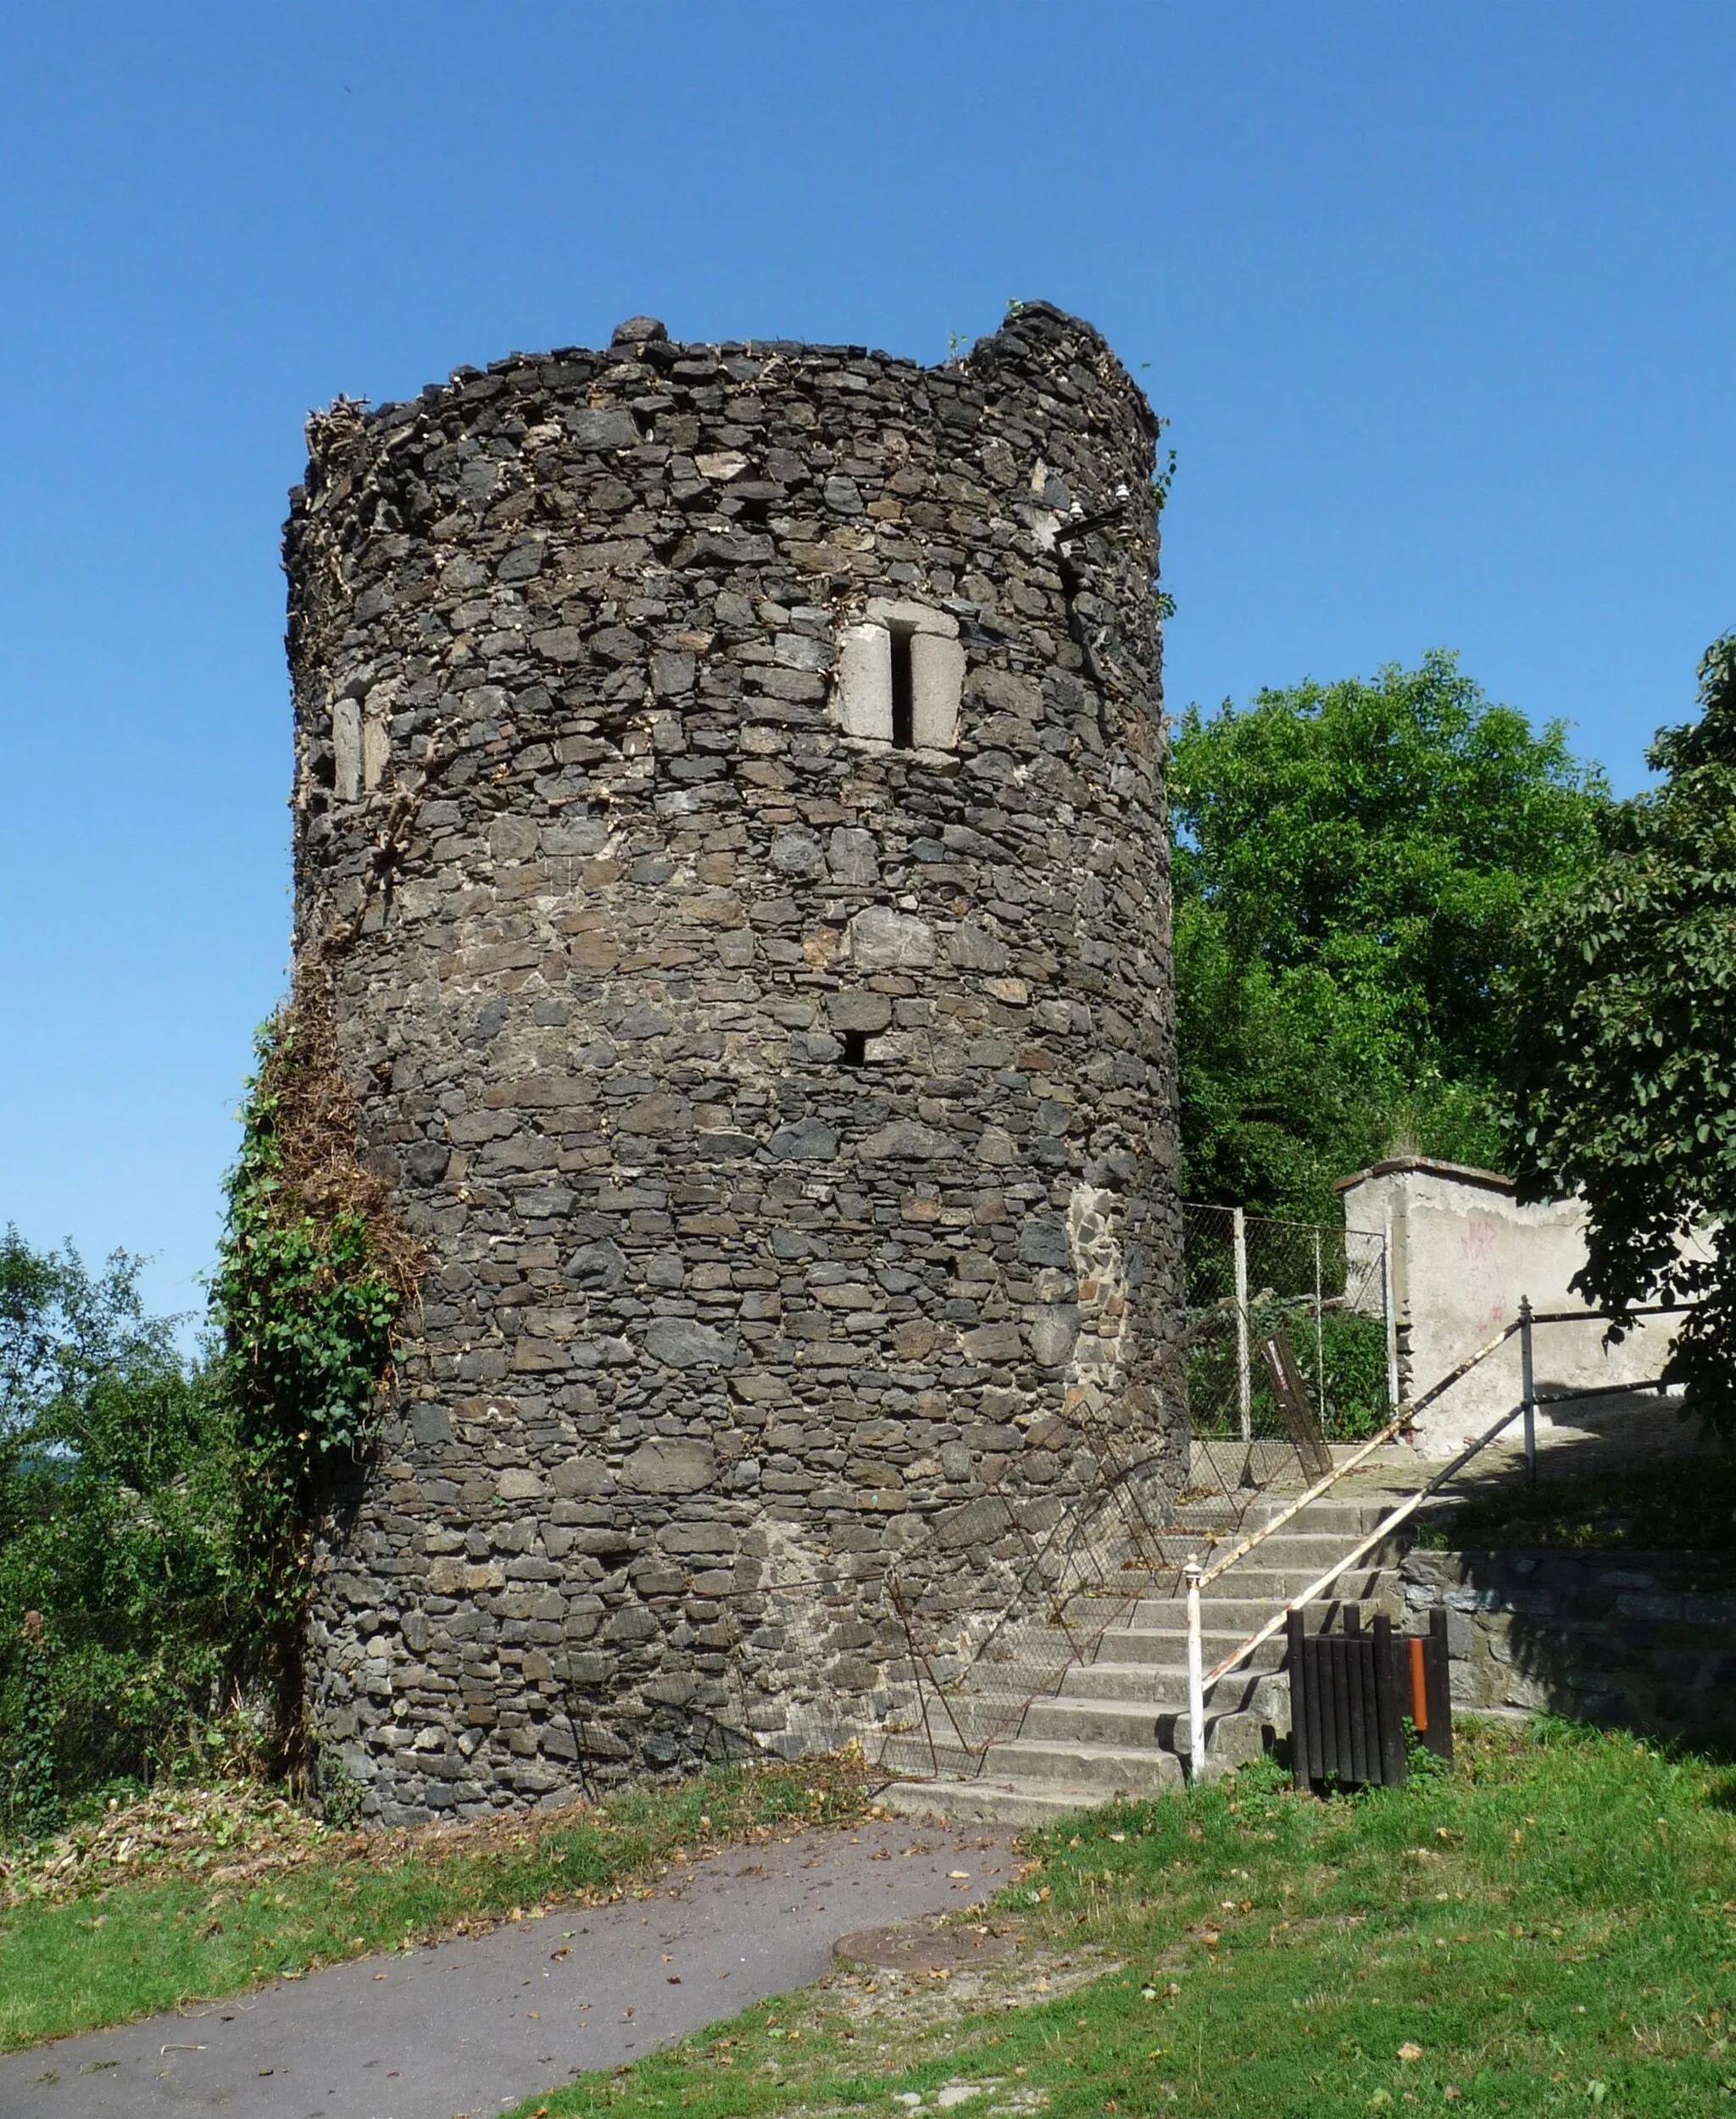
(1464, 1252)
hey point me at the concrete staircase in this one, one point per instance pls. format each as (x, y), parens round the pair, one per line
(1113, 1721)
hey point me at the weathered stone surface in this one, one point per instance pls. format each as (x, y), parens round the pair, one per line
(752, 1083)
(809, 1140)
(637, 330)
(992, 1343)
(669, 1467)
(906, 1137)
(519, 1486)
(881, 940)
(604, 430)
(1639, 1638)
(679, 1343)
(973, 948)
(852, 855)
(1055, 1329)
(869, 1013)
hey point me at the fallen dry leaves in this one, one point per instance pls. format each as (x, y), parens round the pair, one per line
(233, 1833)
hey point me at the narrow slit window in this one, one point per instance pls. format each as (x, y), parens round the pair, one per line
(855, 1053)
(900, 677)
(903, 690)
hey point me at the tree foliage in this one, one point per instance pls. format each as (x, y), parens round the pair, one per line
(116, 1493)
(156, 1514)
(1624, 1070)
(314, 1270)
(1353, 865)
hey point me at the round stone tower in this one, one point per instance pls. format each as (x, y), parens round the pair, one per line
(730, 828)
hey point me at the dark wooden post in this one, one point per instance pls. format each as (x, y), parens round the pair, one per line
(1301, 1763)
(1388, 1703)
(1438, 1680)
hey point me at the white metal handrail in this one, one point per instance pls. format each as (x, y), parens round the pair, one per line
(1197, 1576)
(1389, 1523)
(1405, 1418)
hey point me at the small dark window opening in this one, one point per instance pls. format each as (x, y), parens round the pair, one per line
(903, 694)
(855, 1047)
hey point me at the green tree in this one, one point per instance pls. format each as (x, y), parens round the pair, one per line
(1624, 1071)
(116, 1494)
(1354, 865)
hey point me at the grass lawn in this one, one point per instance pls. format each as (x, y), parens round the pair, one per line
(1552, 1928)
(1687, 1503)
(130, 1948)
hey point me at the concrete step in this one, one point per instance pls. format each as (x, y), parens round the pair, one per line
(1269, 1587)
(1099, 1770)
(1232, 1739)
(1160, 1683)
(1294, 1546)
(1054, 1720)
(1345, 1519)
(962, 1801)
(1129, 1725)
(966, 1725)
(1030, 1782)
(905, 1758)
(1138, 1725)
(1379, 1586)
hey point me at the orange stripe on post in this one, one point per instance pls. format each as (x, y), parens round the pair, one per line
(1419, 1688)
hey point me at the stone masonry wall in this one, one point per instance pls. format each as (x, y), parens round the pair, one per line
(1641, 1640)
(790, 1116)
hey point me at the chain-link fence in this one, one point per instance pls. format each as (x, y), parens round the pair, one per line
(1327, 1289)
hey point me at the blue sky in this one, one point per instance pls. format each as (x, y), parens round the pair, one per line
(1439, 299)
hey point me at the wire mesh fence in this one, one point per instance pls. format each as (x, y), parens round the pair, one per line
(1326, 1288)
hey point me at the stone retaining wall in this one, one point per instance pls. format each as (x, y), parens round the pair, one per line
(1641, 1640)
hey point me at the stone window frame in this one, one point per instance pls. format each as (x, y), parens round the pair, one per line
(361, 740)
(901, 677)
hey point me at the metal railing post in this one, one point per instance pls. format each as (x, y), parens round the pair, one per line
(1386, 1276)
(1245, 1378)
(1196, 1683)
(1527, 1389)
(1319, 1334)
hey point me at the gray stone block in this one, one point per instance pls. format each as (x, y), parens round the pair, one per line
(661, 1466)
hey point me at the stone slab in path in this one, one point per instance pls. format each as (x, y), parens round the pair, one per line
(459, 2030)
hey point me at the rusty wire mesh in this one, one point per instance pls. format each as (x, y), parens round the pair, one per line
(1115, 1547)
(1325, 1288)
(932, 1658)
(1069, 1570)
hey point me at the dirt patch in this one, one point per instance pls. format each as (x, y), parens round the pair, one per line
(224, 1835)
(1019, 1976)
(921, 1946)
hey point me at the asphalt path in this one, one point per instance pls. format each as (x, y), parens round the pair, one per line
(462, 2028)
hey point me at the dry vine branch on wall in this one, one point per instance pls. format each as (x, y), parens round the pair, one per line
(322, 1175)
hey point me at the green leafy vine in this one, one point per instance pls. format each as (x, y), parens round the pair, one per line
(313, 1274)
(34, 1802)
